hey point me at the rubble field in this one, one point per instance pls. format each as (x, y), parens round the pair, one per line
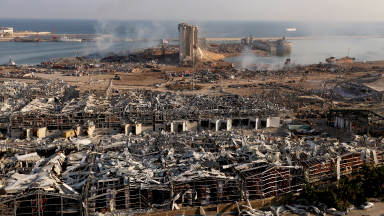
(142, 133)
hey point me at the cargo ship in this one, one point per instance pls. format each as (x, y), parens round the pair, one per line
(67, 39)
(290, 29)
(334, 60)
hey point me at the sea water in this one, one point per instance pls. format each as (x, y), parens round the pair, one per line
(303, 51)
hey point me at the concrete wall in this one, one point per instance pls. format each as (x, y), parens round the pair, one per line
(214, 127)
(273, 122)
(55, 133)
(79, 131)
(146, 129)
(128, 128)
(159, 127)
(91, 130)
(175, 125)
(192, 126)
(42, 132)
(28, 133)
(228, 122)
(258, 123)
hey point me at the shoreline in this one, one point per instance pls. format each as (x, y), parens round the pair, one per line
(11, 38)
(296, 38)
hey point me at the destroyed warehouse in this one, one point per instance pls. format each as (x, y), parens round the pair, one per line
(144, 151)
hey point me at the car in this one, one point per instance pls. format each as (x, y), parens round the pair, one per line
(366, 205)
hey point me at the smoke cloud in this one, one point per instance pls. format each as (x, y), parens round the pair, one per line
(249, 60)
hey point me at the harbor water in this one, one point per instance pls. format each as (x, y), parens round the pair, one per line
(303, 51)
(317, 50)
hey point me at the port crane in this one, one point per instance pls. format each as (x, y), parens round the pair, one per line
(37, 38)
(54, 33)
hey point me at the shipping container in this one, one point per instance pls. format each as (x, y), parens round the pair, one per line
(68, 133)
(58, 66)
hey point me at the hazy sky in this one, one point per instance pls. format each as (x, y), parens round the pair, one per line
(324, 10)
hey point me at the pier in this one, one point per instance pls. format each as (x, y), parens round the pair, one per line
(295, 38)
(88, 37)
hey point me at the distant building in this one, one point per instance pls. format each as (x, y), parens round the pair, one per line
(272, 45)
(188, 41)
(6, 30)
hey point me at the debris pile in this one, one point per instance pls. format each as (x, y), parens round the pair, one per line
(165, 171)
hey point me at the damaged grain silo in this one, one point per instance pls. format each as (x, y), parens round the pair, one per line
(188, 41)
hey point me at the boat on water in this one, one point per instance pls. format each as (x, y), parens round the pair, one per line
(334, 60)
(11, 63)
(164, 41)
(67, 39)
(290, 29)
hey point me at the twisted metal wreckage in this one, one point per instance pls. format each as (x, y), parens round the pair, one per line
(142, 111)
(208, 160)
(164, 171)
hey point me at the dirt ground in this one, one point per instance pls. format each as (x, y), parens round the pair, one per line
(148, 80)
(156, 81)
(376, 210)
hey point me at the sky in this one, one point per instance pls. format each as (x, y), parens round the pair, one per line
(295, 10)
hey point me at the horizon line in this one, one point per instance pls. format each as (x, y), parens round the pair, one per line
(216, 20)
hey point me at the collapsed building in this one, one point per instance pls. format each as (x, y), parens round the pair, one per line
(144, 152)
(164, 171)
(21, 97)
(359, 119)
(140, 111)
